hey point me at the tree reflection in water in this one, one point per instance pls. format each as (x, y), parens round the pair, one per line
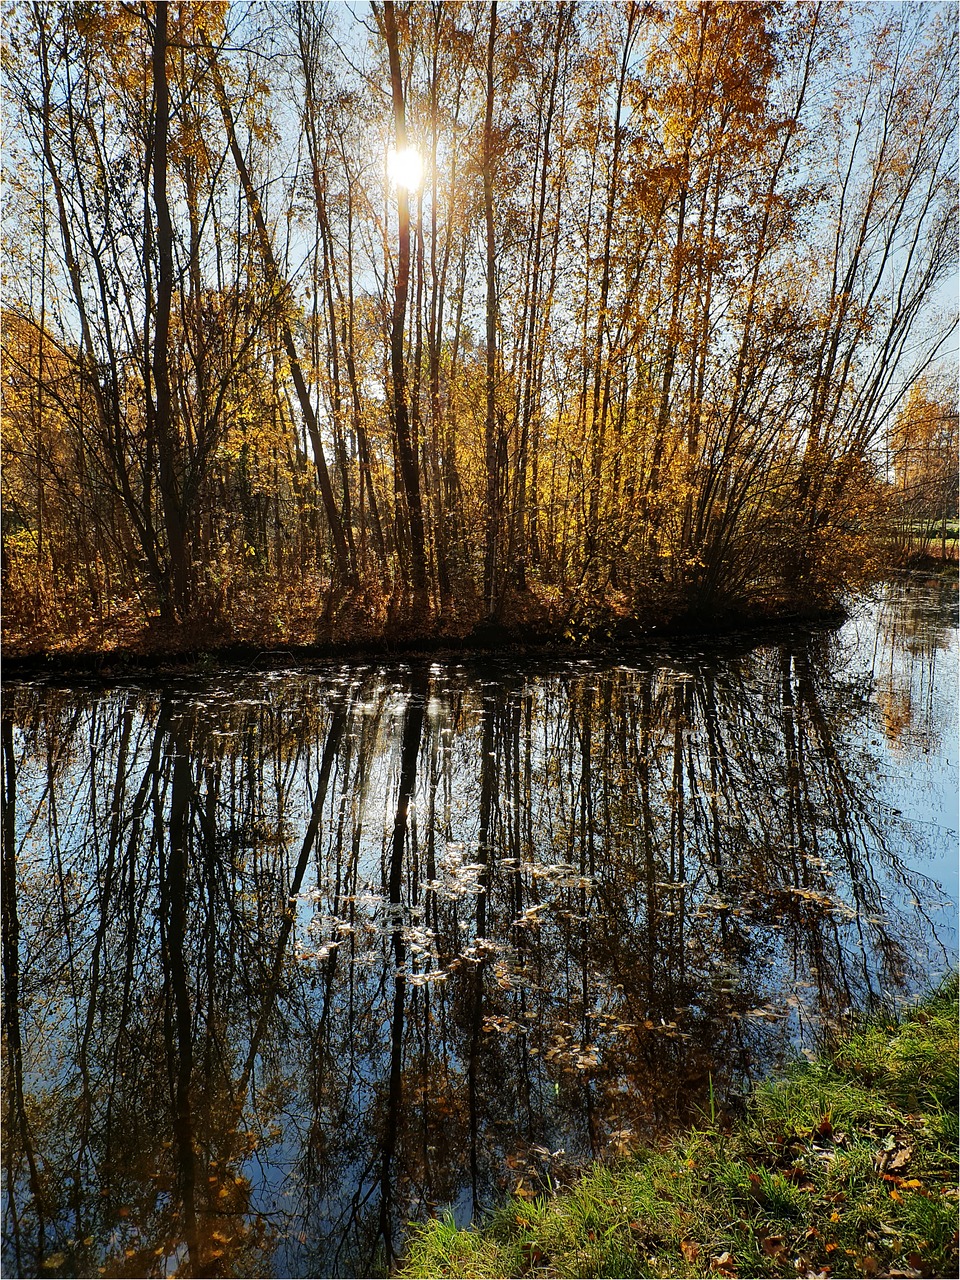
(292, 959)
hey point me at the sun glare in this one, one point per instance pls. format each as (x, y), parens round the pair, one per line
(405, 168)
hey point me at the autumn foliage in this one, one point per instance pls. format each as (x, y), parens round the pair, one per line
(632, 350)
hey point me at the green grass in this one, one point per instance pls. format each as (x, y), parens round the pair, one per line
(847, 1165)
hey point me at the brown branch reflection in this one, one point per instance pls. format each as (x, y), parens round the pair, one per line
(291, 960)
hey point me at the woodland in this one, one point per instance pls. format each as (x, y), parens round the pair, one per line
(362, 323)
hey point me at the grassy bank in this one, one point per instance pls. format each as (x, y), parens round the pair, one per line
(847, 1167)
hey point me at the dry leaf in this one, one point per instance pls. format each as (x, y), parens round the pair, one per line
(690, 1250)
(725, 1265)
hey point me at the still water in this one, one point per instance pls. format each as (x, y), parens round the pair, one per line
(294, 958)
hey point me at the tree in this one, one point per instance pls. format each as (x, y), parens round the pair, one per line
(406, 452)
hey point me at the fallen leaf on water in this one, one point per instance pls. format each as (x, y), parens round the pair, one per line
(55, 1260)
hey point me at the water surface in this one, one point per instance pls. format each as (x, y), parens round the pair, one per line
(293, 958)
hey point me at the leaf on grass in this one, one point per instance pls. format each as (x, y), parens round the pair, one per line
(773, 1246)
(690, 1250)
(870, 1265)
(724, 1265)
(756, 1190)
(533, 1255)
(900, 1159)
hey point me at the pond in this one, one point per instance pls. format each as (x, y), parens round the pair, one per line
(293, 958)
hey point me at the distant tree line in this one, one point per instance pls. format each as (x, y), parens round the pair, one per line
(635, 344)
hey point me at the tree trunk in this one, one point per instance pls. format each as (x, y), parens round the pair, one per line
(409, 471)
(171, 495)
(491, 453)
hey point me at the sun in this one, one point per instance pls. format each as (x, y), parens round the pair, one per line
(405, 168)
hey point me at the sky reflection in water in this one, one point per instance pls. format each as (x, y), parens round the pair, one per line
(292, 959)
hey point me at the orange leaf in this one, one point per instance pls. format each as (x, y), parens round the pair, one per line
(690, 1250)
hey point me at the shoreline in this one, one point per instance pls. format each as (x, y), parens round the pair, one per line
(843, 1166)
(157, 655)
(484, 639)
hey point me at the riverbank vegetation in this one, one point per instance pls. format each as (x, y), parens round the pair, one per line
(332, 323)
(847, 1167)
